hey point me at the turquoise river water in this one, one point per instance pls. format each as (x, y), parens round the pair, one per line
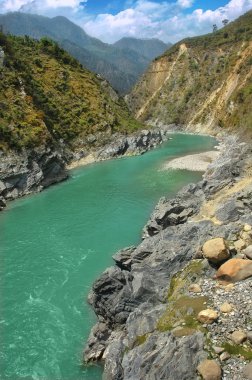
(54, 244)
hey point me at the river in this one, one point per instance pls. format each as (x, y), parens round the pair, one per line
(54, 244)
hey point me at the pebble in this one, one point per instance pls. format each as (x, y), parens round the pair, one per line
(238, 336)
(239, 296)
(225, 356)
(195, 288)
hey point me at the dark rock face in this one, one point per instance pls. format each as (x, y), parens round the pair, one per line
(176, 211)
(31, 171)
(28, 172)
(135, 144)
(165, 357)
(130, 297)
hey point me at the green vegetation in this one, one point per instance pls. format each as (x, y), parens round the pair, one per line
(238, 350)
(239, 30)
(46, 95)
(183, 309)
(181, 280)
(141, 340)
(121, 63)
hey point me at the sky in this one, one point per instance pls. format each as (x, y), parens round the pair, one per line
(110, 20)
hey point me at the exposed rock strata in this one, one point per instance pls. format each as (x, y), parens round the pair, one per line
(22, 173)
(130, 297)
(30, 171)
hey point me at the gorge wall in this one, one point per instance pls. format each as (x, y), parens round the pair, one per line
(161, 313)
(203, 82)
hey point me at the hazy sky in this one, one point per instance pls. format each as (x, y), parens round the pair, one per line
(110, 20)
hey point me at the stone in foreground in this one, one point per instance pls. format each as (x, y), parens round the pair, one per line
(207, 316)
(226, 307)
(195, 288)
(234, 270)
(239, 245)
(209, 370)
(238, 337)
(247, 371)
(248, 252)
(215, 250)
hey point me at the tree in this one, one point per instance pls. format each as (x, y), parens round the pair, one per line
(225, 22)
(215, 28)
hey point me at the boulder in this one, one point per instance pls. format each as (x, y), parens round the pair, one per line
(234, 270)
(209, 370)
(248, 252)
(247, 228)
(238, 337)
(247, 371)
(226, 307)
(215, 250)
(249, 336)
(207, 316)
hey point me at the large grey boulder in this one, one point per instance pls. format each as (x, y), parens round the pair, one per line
(29, 171)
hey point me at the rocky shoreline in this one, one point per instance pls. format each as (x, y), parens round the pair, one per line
(148, 304)
(29, 171)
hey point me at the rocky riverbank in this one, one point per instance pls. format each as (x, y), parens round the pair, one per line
(29, 171)
(160, 311)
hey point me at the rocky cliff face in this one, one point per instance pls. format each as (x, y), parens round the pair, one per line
(161, 312)
(147, 315)
(201, 82)
(52, 111)
(29, 171)
(32, 170)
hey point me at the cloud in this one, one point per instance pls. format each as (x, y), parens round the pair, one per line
(40, 6)
(165, 20)
(168, 20)
(185, 3)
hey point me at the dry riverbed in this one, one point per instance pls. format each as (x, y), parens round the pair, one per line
(193, 162)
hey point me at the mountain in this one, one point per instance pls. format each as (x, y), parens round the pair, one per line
(149, 48)
(201, 82)
(121, 64)
(46, 96)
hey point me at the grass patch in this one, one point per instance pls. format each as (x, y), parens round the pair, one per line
(185, 310)
(238, 350)
(141, 340)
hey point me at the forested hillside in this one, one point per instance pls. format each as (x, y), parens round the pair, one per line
(46, 95)
(121, 64)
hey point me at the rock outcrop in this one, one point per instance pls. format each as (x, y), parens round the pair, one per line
(30, 171)
(138, 330)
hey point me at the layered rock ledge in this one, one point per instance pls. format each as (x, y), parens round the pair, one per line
(148, 303)
(29, 171)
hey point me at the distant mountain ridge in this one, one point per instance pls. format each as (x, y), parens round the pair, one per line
(121, 63)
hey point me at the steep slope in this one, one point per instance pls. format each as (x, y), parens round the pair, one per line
(52, 111)
(47, 95)
(120, 65)
(201, 82)
(149, 48)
